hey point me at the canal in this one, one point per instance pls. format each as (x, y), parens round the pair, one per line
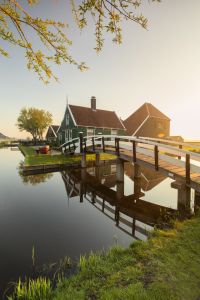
(73, 212)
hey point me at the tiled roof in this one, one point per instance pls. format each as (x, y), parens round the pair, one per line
(85, 116)
(55, 128)
(133, 122)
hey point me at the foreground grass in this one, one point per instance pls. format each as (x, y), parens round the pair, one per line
(165, 267)
(43, 159)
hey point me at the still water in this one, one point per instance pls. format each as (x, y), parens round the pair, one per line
(73, 212)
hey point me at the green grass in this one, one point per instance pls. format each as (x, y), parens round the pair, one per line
(165, 267)
(43, 159)
(1, 145)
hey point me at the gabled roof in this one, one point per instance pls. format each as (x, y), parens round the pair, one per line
(55, 128)
(52, 131)
(87, 117)
(134, 121)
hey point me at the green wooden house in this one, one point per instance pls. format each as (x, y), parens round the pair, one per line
(90, 121)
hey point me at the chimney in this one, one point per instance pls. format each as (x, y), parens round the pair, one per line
(93, 103)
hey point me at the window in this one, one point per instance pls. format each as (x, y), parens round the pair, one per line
(67, 119)
(70, 134)
(160, 125)
(113, 132)
(90, 132)
(66, 135)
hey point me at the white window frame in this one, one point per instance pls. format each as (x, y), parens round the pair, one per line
(67, 119)
(66, 135)
(70, 134)
(90, 132)
(113, 131)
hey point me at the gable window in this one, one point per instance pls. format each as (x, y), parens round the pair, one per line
(90, 132)
(114, 132)
(67, 119)
(160, 125)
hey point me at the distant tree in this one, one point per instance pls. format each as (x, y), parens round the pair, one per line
(34, 121)
(33, 179)
(106, 14)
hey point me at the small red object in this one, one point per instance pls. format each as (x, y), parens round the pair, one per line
(44, 149)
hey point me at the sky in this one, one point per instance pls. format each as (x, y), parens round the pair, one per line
(160, 65)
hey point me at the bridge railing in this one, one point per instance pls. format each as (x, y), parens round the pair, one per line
(156, 148)
(175, 143)
(71, 145)
(188, 160)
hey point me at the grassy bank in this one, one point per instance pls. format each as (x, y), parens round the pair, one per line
(43, 159)
(165, 267)
(1, 145)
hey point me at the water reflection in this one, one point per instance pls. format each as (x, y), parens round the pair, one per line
(130, 212)
(33, 179)
(78, 213)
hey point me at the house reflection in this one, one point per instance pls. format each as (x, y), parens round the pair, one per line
(133, 215)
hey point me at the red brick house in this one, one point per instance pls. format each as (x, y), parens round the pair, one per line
(147, 121)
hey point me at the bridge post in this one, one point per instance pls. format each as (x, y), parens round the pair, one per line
(120, 170)
(97, 159)
(83, 160)
(134, 151)
(180, 147)
(103, 143)
(120, 191)
(137, 188)
(133, 227)
(156, 157)
(137, 171)
(81, 141)
(196, 200)
(117, 146)
(97, 173)
(187, 168)
(184, 196)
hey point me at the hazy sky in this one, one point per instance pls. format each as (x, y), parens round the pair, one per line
(160, 65)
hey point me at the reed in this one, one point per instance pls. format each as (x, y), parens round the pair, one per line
(32, 289)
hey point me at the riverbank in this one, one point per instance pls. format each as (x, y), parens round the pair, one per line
(165, 267)
(31, 159)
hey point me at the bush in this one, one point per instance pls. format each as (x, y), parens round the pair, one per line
(56, 148)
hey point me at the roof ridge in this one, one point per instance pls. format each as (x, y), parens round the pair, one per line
(147, 108)
(135, 112)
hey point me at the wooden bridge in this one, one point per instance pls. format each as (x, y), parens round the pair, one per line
(163, 156)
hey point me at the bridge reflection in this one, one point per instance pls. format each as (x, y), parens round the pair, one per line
(131, 213)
